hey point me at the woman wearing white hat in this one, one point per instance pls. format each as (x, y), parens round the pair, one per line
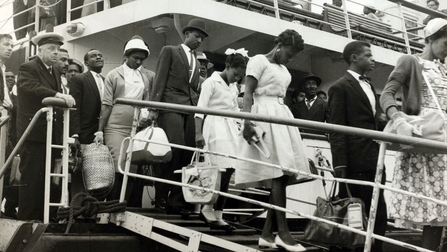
(115, 123)
(420, 173)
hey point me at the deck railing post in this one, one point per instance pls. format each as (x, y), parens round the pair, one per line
(48, 170)
(3, 142)
(348, 26)
(275, 4)
(404, 28)
(375, 197)
(68, 10)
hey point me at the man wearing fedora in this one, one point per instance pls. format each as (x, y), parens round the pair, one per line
(176, 81)
(312, 107)
(37, 79)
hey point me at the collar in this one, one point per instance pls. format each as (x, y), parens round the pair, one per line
(186, 48)
(355, 75)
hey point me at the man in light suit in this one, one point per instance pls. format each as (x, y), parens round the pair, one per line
(312, 107)
(176, 81)
(353, 102)
(37, 79)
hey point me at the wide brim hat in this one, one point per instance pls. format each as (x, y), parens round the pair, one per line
(196, 24)
(47, 38)
(433, 26)
(202, 57)
(309, 76)
(76, 62)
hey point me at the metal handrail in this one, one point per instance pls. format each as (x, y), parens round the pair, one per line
(431, 145)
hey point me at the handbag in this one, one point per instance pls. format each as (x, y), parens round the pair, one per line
(430, 123)
(98, 171)
(336, 210)
(201, 173)
(144, 152)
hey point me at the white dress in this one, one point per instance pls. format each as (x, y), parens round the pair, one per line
(284, 142)
(220, 133)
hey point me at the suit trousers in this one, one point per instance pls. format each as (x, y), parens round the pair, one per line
(365, 193)
(32, 182)
(180, 130)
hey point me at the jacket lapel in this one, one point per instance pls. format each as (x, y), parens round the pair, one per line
(51, 80)
(356, 85)
(184, 59)
(91, 82)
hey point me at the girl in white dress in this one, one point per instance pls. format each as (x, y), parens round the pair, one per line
(220, 134)
(266, 84)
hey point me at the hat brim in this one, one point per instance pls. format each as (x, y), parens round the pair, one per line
(187, 28)
(316, 78)
(36, 39)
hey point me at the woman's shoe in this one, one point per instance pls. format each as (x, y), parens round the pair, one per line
(265, 244)
(292, 248)
(221, 225)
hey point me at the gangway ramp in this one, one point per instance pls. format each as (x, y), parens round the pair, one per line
(189, 234)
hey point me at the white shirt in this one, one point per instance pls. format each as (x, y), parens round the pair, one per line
(189, 55)
(216, 94)
(367, 89)
(134, 85)
(7, 103)
(99, 82)
(310, 102)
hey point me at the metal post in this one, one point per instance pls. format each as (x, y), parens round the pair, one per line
(348, 26)
(404, 28)
(129, 155)
(46, 210)
(68, 10)
(375, 197)
(3, 142)
(275, 4)
(65, 154)
(37, 18)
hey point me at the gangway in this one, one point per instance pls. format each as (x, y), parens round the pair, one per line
(129, 229)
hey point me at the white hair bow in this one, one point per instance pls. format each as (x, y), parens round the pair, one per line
(241, 51)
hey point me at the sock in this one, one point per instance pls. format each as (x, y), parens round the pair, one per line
(208, 212)
(218, 214)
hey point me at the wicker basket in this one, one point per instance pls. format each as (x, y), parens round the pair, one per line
(98, 171)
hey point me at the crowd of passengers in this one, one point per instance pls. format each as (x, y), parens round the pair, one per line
(181, 78)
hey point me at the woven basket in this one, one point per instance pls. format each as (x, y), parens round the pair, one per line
(98, 171)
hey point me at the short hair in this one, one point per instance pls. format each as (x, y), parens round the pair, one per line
(292, 38)
(86, 54)
(436, 2)
(235, 60)
(3, 35)
(437, 35)
(354, 47)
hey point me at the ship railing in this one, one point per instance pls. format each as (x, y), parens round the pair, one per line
(384, 139)
(4, 119)
(50, 104)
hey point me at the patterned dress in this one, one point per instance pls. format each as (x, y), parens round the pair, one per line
(421, 173)
(284, 142)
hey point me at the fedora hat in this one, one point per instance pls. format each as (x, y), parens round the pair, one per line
(309, 76)
(47, 38)
(196, 24)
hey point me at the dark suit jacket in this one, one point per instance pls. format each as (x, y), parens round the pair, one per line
(318, 112)
(171, 83)
(33, 85)
(349, 106)
(85, 119)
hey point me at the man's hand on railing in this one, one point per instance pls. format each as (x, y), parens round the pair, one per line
(69, 100)
(340, 171)
(99, 137)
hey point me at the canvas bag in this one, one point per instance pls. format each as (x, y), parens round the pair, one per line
(336, 210)
(149, 153)
(200, 173)
(431, 124)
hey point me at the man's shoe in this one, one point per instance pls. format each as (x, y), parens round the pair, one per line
(160, 204)
(178, 211)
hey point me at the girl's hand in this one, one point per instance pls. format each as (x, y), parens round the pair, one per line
(249, 133)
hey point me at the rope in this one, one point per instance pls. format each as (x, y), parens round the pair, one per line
(90, 206)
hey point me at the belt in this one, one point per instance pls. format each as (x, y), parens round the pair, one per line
(270, 99)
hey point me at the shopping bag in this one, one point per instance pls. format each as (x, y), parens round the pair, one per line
(200, 173)
(98, 171)
(336, 210)
(150, 153)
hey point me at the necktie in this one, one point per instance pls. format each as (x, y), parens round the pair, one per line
(100, 84)
(50, 69)
(365, 79)
(191, 64)
(309, 103)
